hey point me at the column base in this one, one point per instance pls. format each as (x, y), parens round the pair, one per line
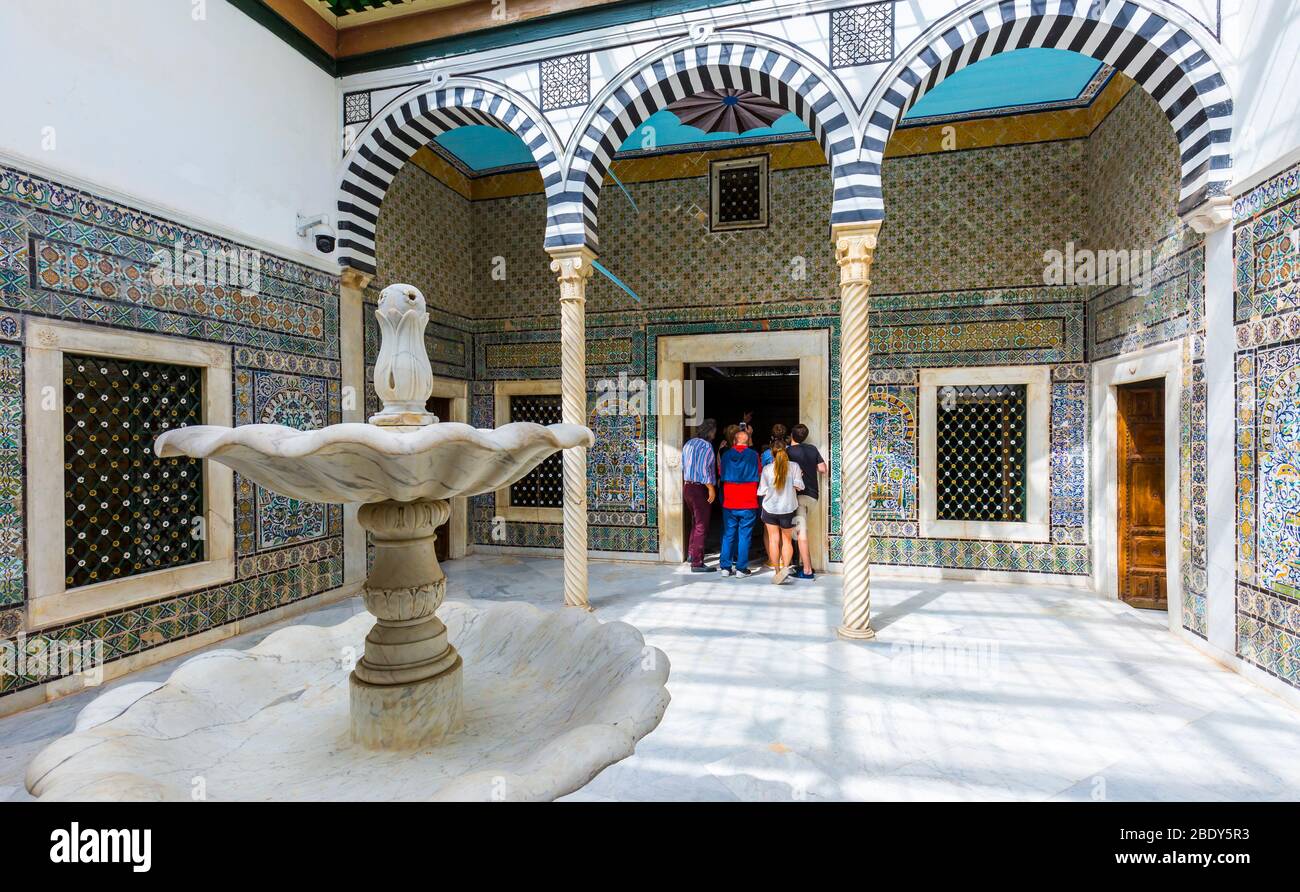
(407, 716)
(856, 634)
(587, 607)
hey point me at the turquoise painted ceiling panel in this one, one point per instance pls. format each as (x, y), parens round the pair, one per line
(1022, 77)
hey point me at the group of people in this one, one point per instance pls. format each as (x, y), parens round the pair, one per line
(780, 487)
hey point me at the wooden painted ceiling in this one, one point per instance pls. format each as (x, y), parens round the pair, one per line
(345, 36)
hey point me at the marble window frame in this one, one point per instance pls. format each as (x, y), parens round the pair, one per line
(49, 602)
(502, 392)
(716, 167)
(1036, 527)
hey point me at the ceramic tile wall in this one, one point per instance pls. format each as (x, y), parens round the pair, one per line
(70, 254)
(1266, 239)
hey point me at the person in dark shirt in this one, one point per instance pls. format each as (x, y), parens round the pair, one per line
(810, 461)
(740, 471)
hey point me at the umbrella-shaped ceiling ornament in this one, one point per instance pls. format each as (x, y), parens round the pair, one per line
(727, 111)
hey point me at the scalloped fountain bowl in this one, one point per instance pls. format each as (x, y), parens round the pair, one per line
(551, 698)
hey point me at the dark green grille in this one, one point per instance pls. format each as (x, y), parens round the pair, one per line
(543, 487)
(127, 511)
(980, 453)
(739, 195)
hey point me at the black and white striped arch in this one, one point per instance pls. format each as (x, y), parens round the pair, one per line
(667, 78)
(394, 137)
(1160, 56)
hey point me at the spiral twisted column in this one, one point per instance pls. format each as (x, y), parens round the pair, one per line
(573, 268)
(855, 247)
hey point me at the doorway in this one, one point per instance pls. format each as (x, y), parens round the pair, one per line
(1140, 493)
(441, 407)
(449, 401)
(675, 355)
(768, 390)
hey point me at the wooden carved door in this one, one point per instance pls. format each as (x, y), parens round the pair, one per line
(1140, 458)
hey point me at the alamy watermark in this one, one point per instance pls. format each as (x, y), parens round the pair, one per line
(233, 267)
(1084, 266)
(46, 658)
(626, 395)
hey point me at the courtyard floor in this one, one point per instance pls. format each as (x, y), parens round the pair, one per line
(971, 691)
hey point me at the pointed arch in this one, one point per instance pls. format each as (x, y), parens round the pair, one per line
(738, 61)
(413, 121)
(1162, 56)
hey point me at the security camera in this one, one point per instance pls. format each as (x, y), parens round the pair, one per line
(320, 224)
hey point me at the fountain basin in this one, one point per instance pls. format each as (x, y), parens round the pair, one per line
(369, 463)
(551, 699)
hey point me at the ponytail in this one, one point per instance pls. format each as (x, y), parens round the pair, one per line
(780, 464)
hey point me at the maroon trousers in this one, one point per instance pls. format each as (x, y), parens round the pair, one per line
(696, 497)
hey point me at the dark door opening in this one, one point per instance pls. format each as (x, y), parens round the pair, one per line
(1140, 484)
(441, 407)
(769, 390)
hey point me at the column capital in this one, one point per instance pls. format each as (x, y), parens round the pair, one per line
(572, 268)
(1211, 215)
(855, 248)
(355, 278)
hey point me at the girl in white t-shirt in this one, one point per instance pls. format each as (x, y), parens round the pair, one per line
(778, 486)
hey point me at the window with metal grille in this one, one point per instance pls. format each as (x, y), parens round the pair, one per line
(127, 511)
(543, 487)
(738, 192)
(980, 452)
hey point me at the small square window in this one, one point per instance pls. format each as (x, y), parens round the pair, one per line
(738, 193)
(543, 487)
(981, 452)
(862, 35)
(566, 81)
(356, 108)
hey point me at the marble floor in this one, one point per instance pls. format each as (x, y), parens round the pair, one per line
(971, 691)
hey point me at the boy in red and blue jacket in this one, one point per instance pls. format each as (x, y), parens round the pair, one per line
(740, 470)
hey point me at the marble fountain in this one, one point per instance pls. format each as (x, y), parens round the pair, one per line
(415, 699)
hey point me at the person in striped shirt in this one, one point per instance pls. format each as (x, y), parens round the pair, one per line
(699, 479)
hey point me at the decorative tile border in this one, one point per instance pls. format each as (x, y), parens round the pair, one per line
(12, 568)
(1121, 321)
(970, 554)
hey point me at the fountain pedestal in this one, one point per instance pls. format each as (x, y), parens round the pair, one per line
(406, 691)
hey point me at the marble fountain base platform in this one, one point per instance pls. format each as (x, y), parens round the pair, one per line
(550, 699)
(1058, 695)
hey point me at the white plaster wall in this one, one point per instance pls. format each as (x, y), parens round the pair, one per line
(216, 118)
(1262, 37)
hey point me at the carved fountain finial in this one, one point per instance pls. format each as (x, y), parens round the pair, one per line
(403, 375)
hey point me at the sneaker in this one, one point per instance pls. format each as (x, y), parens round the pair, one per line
(703, 569)
(744, 571)
(802, 575)
(728, 571)
(781, 575)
